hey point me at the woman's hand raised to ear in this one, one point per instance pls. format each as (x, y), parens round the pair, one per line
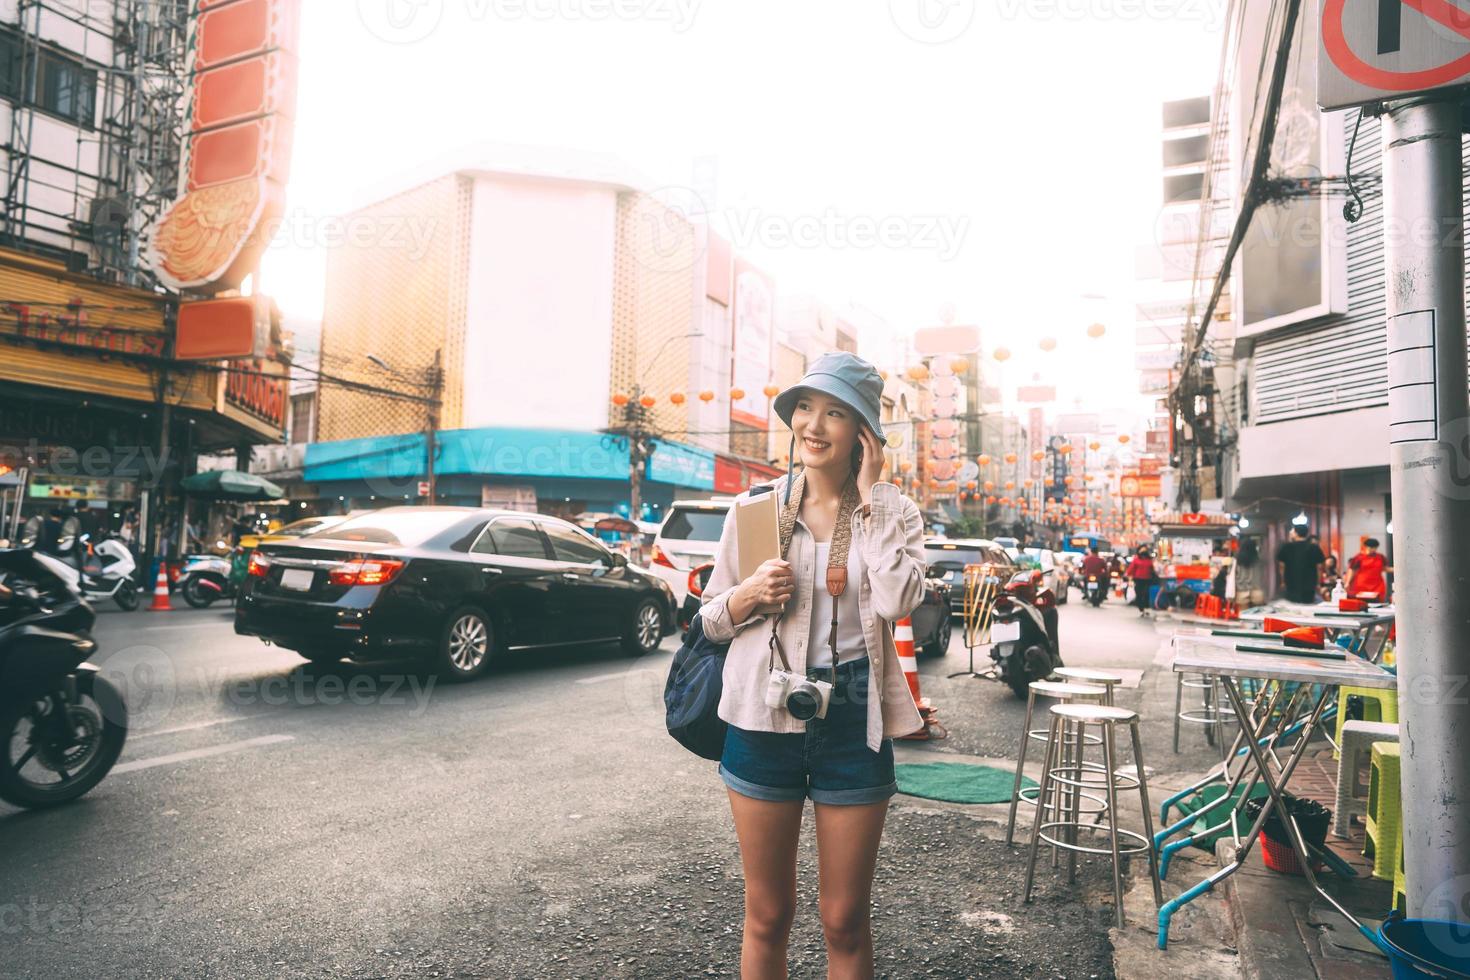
(871, 470)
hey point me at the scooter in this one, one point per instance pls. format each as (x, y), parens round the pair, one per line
(112, 576)
(1097, 590)
(206, 579)
(62, 726)
(1023, 632)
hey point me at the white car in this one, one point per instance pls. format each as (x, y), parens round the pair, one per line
(1051, 567)
(688, 538)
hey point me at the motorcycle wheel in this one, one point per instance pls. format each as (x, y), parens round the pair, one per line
(126, 596)
(196, 595)
(1031, 664)
(100, 725)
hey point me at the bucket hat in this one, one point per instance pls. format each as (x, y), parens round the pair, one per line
(844, 376)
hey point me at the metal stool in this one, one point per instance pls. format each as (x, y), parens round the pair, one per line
(1213, 711)
(1061, 691)
(1085, 675)
(1071, 721)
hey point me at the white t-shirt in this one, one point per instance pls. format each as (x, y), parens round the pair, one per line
(850, 642)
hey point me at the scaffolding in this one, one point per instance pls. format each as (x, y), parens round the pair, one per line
(97, 111)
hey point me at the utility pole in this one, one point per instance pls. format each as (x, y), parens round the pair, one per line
(1429, 433)
(641, 443)
(436, 379)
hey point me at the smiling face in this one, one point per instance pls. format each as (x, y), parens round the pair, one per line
(826, 431)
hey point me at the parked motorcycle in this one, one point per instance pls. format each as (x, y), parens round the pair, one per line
(205, 579)
(97, 570)
(1023, 632)
(62, 726)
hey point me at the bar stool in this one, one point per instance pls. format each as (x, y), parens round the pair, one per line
(1087, 675)
(1213, 711)
(1061, 691)
(1063, 833)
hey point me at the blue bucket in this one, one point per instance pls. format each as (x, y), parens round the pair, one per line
(1426, 948)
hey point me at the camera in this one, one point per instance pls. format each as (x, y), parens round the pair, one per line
(804, 698)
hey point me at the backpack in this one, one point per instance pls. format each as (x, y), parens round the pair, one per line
(692, 694)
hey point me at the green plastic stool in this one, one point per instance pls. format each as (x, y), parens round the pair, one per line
(1378, 705)
(1384, 808)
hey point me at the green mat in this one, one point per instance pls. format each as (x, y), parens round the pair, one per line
(957, 782)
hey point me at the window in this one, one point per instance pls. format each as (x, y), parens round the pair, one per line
(301, 420)
(694, 524)
(571, 546)
(64, 86)
(513, 537)
(396, 525)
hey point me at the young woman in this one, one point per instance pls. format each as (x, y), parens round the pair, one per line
(853, 563)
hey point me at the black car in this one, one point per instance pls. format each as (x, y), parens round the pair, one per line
(947, 558)
(454, 584)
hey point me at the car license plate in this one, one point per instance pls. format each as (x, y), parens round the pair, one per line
(1005, 632)
(297, 578)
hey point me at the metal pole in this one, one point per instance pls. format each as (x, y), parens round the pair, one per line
(433, 422)
(1424, 259)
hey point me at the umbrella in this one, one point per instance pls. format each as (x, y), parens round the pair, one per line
(231, 485)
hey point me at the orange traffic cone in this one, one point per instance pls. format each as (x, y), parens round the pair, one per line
(903, 640)
(160, 592)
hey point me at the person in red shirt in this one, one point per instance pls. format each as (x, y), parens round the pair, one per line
(1095, 564)
(1141, 571)
(1368, 566)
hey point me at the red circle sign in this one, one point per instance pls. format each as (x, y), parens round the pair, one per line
(1334, 41)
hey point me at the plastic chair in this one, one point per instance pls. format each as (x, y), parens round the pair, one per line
(1356, 739)
(1378, 705)
(1384, 809)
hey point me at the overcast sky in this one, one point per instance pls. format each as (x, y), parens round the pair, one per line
(1000, 156)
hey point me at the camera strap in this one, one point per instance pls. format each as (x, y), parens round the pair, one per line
(836, 560)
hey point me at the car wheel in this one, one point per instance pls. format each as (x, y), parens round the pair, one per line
(645, 630)
(938, 644)
(467, 644)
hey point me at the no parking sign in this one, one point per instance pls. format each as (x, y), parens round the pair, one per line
(1376, 50)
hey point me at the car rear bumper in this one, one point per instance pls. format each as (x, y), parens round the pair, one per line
(303, 626)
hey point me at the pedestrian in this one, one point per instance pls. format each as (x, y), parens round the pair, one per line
(1144, 575)
(1365, 576)
(1330, 575)
(1299, 565)
(852, 563)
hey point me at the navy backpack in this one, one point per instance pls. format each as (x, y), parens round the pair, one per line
(692, 694)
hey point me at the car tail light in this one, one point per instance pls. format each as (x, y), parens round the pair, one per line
(698, 577)
(368, 571)
(259, 565)
(660, 557)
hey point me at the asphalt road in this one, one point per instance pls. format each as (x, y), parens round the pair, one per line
(268, 819)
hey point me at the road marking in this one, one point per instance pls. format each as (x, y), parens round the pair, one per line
(190, 728)
(165, 760)
(603, 677)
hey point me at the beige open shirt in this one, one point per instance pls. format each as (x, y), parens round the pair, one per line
(888, 555)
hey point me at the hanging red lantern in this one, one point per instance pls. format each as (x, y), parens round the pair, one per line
(736, 394)
(989, 484)
(1096, 330)
(1010, 457)
(771, 391)
(1123, 439)
(677, 398)
(983, 459)
(1010, 484)
(648, 401)
(620, 399)
(706, 396)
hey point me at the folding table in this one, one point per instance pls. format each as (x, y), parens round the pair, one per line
(1220, 657)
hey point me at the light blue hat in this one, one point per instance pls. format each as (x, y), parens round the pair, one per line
(844, 376)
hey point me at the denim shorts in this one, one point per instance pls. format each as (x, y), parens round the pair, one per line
(830, 761)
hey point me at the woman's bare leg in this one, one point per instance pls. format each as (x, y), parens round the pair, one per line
(768, 833)
(847, 854)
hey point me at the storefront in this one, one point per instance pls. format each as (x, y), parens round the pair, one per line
(553, 471)
(87, 380)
